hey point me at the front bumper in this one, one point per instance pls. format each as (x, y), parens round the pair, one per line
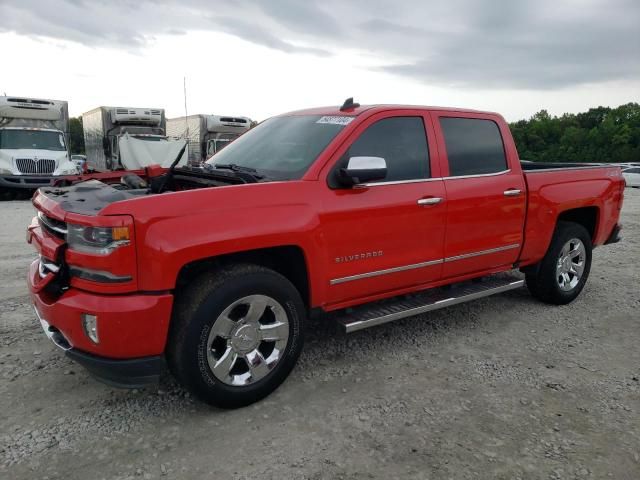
(133, 373)
(132, 330)
(129, 373)
(29, 182)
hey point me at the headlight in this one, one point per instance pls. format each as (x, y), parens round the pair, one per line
(69, 171)
(97, 240)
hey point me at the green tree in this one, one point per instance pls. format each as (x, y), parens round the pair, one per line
(76, 136)
(600, 134)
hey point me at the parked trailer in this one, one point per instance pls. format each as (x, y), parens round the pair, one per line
(34, 139)
(207, 134)
(124, 138)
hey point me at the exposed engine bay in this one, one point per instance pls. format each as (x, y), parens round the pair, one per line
(91, 196)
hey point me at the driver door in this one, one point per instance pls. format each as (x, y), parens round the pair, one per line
(388, 235)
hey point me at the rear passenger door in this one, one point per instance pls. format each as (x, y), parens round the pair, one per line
(485, 197)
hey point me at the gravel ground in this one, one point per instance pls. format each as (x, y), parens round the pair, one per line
(502, 388)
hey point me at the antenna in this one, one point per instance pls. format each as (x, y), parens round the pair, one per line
(349, 105)
(184, 87)
(186, 120)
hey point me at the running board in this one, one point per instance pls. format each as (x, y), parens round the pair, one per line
(369, 315)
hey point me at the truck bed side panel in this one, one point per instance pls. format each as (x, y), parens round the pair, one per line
(550, 193)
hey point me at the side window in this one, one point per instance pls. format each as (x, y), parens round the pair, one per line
(474, 146)
(401, 141)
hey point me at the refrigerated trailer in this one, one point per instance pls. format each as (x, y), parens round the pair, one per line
(207, 134)
(34, 139)
(124, 138)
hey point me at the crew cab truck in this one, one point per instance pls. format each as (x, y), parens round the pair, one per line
(33, 144)
(360, 214)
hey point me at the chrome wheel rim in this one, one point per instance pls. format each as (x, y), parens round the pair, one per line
(247, 340)
(570, 266)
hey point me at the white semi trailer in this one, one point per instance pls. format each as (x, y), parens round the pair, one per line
(34, 136)
(123, 138)
(207, 134)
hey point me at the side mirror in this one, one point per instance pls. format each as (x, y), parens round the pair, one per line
(363, 170)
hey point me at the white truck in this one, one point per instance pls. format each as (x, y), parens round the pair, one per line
(124, 138)
(33, 144)
(207, 134)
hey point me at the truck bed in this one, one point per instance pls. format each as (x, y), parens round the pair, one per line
(553, 188)
(537, 166)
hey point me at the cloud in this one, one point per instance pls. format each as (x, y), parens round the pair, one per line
(262, 36)
(462, 43)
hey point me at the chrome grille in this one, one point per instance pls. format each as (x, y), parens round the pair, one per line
(29, 166)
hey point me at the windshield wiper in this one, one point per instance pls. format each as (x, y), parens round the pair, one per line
(235, 167)
(238, 169)
(161, 182)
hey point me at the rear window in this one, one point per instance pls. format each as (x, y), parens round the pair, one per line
(474, 146)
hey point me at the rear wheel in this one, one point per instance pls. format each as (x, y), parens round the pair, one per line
(236, 334)
(564, 270)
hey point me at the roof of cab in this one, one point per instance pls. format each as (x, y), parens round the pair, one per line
(335, 110)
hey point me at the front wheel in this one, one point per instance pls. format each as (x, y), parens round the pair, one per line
(564, 270)
(236, 335)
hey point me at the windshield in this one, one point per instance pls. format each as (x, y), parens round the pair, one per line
(35, 139)
(282, 148)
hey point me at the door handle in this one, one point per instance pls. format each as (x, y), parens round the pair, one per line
(430, 201)
(512, 192)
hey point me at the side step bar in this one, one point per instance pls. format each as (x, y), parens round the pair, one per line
(369, 315)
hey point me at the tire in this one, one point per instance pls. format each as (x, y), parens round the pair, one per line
(560, 277)
(218, 332)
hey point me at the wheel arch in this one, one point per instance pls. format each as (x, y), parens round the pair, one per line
(288, 260)
(588, 217)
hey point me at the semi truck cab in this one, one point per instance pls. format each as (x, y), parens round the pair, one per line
(33, 143)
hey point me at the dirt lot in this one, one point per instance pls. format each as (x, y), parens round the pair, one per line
(505, 387)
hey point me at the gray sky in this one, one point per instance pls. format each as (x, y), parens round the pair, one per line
(261, 58)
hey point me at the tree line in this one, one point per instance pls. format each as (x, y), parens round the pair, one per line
(600, 134)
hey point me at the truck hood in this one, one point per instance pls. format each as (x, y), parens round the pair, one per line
(93, 196)
(87, 198)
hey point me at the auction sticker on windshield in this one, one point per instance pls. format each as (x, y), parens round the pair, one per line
(336, 120)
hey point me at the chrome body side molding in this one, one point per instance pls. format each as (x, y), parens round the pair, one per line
(386, 271)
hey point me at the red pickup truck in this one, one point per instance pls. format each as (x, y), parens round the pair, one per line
(360, 214)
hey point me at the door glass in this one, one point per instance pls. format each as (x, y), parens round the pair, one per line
(474, 146)
(401, 141)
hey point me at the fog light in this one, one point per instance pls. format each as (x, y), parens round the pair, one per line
(90, 326)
